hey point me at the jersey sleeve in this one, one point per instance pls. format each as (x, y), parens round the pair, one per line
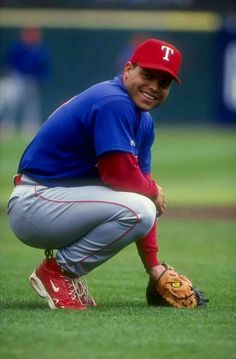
(120, 171)
(114, 126)
(148, 248)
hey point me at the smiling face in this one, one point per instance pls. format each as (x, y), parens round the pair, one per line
(147, 88)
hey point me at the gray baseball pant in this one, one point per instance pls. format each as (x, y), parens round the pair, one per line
(88, 225)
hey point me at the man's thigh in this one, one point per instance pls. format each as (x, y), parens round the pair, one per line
(59, 216)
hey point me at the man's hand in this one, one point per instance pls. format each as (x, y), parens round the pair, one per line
(160, 202)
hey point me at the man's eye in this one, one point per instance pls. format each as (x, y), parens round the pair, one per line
(147, 76)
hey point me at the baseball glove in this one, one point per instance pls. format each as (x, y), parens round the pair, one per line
(174, 290)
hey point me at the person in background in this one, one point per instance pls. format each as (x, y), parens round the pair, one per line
(28, 66)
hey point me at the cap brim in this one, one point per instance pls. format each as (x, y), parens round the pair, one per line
(159, 68)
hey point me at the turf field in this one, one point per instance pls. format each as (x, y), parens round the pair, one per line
(196, 168)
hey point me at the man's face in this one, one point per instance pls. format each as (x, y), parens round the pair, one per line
(147, 88)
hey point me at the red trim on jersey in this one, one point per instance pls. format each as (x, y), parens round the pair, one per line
(120, 170)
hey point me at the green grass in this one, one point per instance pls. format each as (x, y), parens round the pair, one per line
(123, 325)
(11, 150)
(195, 168)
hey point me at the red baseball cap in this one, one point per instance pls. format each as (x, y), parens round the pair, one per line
(158, 55)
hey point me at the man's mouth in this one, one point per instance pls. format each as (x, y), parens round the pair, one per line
(148, 96)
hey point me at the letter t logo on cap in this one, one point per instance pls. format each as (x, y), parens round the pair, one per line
(168, 51)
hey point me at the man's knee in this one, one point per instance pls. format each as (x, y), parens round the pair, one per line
(146, 212)
(149, 212)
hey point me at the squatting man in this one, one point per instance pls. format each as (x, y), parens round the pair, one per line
(84, 185)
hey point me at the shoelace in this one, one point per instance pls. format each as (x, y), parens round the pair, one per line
(78, 289)
(82, 291)
(72, 288)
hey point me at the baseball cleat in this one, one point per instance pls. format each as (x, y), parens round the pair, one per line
(60, 289)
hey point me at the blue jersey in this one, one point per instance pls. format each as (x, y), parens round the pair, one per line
(101, 119)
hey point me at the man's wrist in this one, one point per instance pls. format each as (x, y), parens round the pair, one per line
(156, 271)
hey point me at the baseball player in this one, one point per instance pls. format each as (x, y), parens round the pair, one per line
(84, 183)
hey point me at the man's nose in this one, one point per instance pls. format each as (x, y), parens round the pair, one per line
(154, 85)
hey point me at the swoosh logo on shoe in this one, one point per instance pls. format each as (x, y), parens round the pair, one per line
(56, 289)
(55, 300)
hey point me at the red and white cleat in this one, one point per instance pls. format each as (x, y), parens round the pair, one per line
(59, 288)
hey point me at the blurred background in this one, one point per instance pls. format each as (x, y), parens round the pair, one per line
(79, 43)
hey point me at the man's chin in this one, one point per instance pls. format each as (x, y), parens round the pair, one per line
(145, 107)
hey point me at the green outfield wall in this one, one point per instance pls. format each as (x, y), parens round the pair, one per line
(85, 46)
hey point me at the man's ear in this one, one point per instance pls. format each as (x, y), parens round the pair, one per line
(127, 68)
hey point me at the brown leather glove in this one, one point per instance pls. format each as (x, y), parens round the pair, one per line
(175, 290)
